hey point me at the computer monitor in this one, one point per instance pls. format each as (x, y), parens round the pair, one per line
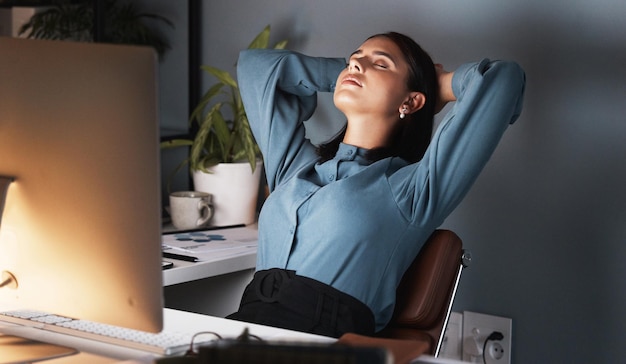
(81, 227)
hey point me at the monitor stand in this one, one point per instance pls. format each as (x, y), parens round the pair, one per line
(7, 279)
(15, 349)
(4, 188)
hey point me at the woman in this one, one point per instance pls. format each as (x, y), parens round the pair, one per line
(345, 220)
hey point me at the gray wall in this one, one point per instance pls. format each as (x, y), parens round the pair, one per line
(546, 221)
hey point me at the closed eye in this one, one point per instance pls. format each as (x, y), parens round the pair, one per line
(379, 58)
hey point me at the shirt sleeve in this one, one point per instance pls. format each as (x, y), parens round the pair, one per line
(279, 91)
(489, 98)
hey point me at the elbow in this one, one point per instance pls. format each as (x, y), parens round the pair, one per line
(509, 74)
(511, 83)
(244, 61)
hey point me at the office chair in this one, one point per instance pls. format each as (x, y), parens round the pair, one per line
(424, 299)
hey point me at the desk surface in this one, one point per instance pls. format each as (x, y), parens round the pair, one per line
(174, 320)
(101, 353)
(189, 271)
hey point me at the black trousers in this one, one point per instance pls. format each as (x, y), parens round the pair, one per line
(280, 298)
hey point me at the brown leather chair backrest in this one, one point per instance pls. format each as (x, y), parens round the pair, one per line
(425, 293)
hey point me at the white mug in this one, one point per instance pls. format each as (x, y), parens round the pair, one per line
(190, 209)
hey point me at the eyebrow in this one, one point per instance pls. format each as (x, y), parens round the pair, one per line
(378, 53)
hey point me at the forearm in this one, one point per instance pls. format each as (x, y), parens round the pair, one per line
(279, 89)
(446, 94)
(488, 98)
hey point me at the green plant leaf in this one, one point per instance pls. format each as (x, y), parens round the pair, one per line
(223, 137)
(123, 23)
(281, 45)
(208, 162)
(262, 40)
(204, 132)
(223, 76)
(204, 101)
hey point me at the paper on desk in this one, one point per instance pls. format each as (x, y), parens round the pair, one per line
(212, 244)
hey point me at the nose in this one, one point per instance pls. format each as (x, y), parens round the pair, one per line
(355, 65)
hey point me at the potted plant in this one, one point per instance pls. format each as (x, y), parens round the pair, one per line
(74, 20)
(224, 158)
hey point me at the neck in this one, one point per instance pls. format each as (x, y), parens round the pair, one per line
(368, 134)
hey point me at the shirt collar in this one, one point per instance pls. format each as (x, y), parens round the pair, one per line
(347, 152)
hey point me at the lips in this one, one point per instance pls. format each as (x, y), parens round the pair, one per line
(351, 80)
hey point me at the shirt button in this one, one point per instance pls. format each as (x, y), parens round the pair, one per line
(331, 177)
(349, 152)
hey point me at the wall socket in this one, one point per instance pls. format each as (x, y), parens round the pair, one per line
(477, 328)
(452, 346)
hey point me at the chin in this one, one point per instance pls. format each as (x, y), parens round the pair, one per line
(344, 102)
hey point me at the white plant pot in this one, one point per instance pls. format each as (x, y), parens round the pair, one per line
(235, 191)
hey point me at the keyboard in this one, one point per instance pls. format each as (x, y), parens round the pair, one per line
(163, 343)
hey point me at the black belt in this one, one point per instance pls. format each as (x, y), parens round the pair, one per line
(329, 311)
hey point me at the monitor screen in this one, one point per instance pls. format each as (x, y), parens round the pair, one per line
(81, 227)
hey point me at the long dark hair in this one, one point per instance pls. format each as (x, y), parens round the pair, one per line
(413, 135)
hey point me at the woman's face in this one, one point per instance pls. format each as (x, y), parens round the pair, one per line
(374, 84)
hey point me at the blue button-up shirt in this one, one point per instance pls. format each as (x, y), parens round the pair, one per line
(349, 222)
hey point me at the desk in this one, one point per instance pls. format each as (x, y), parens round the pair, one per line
(189, 271)
(209, 287)
(184, 272)
(174, 320)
